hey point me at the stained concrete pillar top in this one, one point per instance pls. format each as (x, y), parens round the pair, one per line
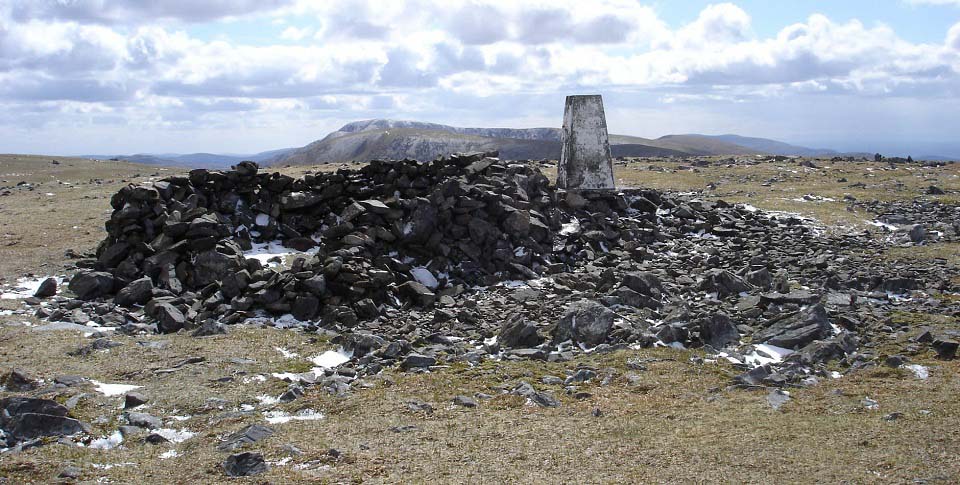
(585, 161)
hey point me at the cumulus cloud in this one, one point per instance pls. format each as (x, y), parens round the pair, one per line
(138, 11)
(953, 37)
(139, 60)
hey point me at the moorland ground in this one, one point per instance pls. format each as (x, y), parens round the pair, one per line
(675, 421)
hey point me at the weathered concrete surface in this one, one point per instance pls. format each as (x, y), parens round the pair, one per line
(585, 161)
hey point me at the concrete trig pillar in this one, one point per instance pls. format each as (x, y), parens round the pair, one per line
(585, 161)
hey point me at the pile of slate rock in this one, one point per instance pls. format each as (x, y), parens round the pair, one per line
(471, 256)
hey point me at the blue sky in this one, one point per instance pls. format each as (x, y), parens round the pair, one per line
(241, 76)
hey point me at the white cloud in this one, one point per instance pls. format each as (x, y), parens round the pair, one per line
(295, 33)
(138, 11)
(953, 37)
(366, 57)
(955, 3)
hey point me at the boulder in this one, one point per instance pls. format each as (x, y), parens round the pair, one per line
(47, 288)
(245, 436)
(88, 285)
(643, 283)
(245, 465)
(796, 329)
(724, 283)
(718, 331)
(25, 418)
(169, 318)
(519, 332)
(137, 292)
(585, 322)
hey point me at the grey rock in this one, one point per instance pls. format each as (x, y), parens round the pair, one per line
(718, 331)
(419, 407)
(47, 288)
(70, 472)
(24, 418)
(18, 380)
(209, 328)
(143, 420)
(464, 401)
(245, 465)
(412, 361)
(247, 435)
(169, 318)
(724, 283)
(797, 329)
(519, 332)
(134, 399)
(586, 322)
(88, 285)
(946, 348)
(777, 398)
(135, 293)
(644, 283)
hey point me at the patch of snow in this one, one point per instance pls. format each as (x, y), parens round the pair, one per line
(113, 389)
(170, 454)
(175, 436)
(570, 228)
(254, 378)
(287, 376)
(108, 442)
(425, 277)
(883, 225)
(835, 375)
(50, 194)
(673, 345)
(332, 358)
(280, 417)
(262, 219)
(766, 354)
(918, 370)
(267, 400)
(286, 353)
(264, 251)
(107, 466)
(26, 287)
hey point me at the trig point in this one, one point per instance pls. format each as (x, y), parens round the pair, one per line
(585, 162)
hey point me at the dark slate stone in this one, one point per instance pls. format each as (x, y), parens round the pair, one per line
(47, 288)
(796, 329)
(245, 465)
(137, 292)
(88, 285)
(718, 331)
(586, 322)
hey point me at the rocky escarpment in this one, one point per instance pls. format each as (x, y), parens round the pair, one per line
(470, 256)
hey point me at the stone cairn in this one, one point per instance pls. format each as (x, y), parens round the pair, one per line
(177, 245)
(395, 261)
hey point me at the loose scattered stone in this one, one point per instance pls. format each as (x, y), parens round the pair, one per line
(248, 435)
(245, 465)
(464, 401)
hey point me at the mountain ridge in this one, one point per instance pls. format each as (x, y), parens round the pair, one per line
(381, 138)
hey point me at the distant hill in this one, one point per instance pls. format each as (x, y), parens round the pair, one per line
(193, 160)
(394, 139)
(772, 146)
